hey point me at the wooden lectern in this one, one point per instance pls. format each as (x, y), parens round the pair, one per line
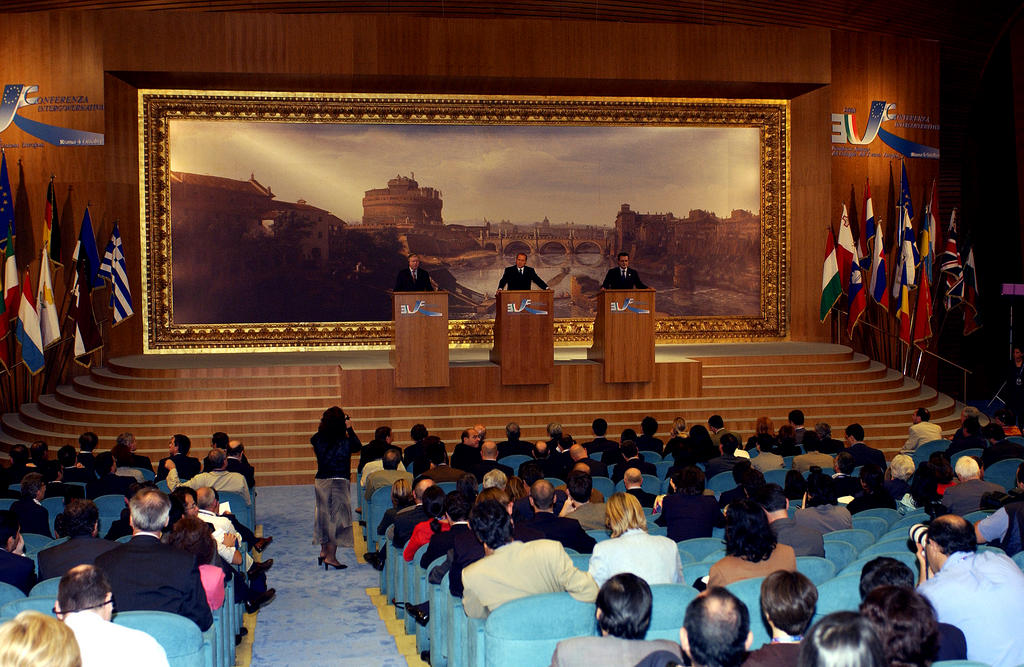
(624, 335)
(420, 353)
(524, 336)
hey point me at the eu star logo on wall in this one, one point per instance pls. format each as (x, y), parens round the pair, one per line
(16, 97)
(844, 132)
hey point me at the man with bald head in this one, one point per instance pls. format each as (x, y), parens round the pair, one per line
(578, 454)
(489, 461)
(561, 529)
(467, 453)
(982, 593)
(633, 480)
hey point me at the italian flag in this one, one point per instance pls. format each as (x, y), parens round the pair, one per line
(831, 284)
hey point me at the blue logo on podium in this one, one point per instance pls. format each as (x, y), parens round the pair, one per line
(420, 307)
(524, 307)
(629, 305)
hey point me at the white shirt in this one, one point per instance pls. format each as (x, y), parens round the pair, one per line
(653, 558)
(222, 526)
(105, 644)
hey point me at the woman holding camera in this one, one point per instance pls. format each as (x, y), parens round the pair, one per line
(333, 443)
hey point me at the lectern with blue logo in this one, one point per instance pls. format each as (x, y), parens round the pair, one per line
(624, 335)
(420, 338)
(524, 336)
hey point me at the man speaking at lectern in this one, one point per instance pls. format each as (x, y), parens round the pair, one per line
(623, 277)
(413, 279)
(520, 276)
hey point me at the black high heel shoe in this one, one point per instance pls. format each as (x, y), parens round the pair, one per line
(319, 560)
(339, 566)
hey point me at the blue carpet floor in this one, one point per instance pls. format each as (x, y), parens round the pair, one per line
(318, 617)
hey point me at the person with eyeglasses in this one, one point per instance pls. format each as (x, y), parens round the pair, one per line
(85, 604)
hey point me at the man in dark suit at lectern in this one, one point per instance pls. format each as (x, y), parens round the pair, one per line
(623, 277)
(520, 276)
(413, 279)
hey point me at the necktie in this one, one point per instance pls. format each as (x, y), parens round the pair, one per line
(520, 272)
(414, 275)
(623, 274)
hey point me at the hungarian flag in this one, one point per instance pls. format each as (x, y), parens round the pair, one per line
(12, 292)
(951, 268)
(923, 315)
(831, 286)
(970, 285)
(879, 278)
(51, 228)
(846, 253)
(930, 232)
(28, 330)
(858, 299)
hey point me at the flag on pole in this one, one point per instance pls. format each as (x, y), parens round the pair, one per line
(923, 315)
(907, 256)
(87, 334)
(86, 248)
(114, 269)
(858, 299)
(6, 205)
(950, 266)
(12, 295)
(51, 233)
(831, 286)
(846, 252)
(879, 278)
(970, 286)
(930, 232)
(5, 328)
(867, 230)
(49, 323)
(28, 330)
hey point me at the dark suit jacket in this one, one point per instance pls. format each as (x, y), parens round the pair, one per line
(613, 280)
(147, 575)
(444, 474)
(244, 469)
(88, 460)
(1000, 451)
(140, 461)
(644, 467)
(864, 455)
(597, 469)
(646, 499)
(689, 516)
(847, 485)
(564, 530)
(187, 466)
(33, 518)
(830, 446)
(441, 543)
(599, 446)
(405, 522)
(648, 443)
(522, 510)
(78, 475)
(405, 283)
(109, 484)
(514, 447)
(557, 464)
(484, 467)
(17, 571)
(371, 452)
(65, 491)
(411, 453)
(81, 550)
(514, 281)
(465, 457)
(720, 464)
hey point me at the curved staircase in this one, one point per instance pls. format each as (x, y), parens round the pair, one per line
(273, 408)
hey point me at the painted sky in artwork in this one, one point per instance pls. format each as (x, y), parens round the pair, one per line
(517, 173)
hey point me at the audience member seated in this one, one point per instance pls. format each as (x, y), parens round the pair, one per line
(564, 530)
(85, 604)
(123, 455)
(578, 455)
(489, 461)
(17, 470)
(437, 458)
(715, 633)
(787, 442)
(796, 420)
(843, 480)
(647, 442)
(842, 639)
(401, 498)
(968, 436)
(631, 459)
(999, 448)
(623, 613)
(86, 455)
(820, 510)
(406, 520)
(517, 489)
(727, 460)
(1004, 417)
(889, 572)
(765, 460)
(634, 481)
(965, 497)
(511, 569)
(686, 512)
(387, 475)
(697, 448)
(374, 450)
(512, 445)
(81, 525)
(787, 604)
(238, 463)
(467, 453)
(901, 468)
(456, 511)
(137, 460)
(32, 516)
(764, 436)
(805, 541)
(653, 558)
(416, 450)
(795, 486)
(748, 482)
(922, 430)
(149, 575)
(530, 472)
(193, 536)
(826, 443)
(803, 462)
(1005, 527)
(218, 478)
(38, 457)
(982, 593)
(71, 469)
(15, 568)
(751, 548)
(904, 623)
(873, 495)
(600, 444)
(931, 479)
(178, 449)
(862, 453)
(108, 482)
(433, 506)
(33, 638)
(228, 541)
(579, 505)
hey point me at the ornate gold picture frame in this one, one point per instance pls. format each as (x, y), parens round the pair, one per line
(721, 273)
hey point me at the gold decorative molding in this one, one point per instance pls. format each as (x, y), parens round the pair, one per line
(158, 108)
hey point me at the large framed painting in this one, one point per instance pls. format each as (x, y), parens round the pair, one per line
(281, 220)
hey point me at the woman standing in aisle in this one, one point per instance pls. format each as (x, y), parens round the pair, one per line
(334, 443)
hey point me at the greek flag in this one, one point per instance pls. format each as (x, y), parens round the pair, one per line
(114, 269)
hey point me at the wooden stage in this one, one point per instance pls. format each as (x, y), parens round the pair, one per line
(272, 402)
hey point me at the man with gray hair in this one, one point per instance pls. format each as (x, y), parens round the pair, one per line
(512, 445)
(218, 478)
(138, 461)
(85, 604)
(146, 574)
(495, 479)
(965, 497)
(826, 443)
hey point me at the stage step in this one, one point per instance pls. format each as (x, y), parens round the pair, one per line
(275, 408)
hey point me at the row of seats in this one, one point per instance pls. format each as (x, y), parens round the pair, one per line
(522, 633)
